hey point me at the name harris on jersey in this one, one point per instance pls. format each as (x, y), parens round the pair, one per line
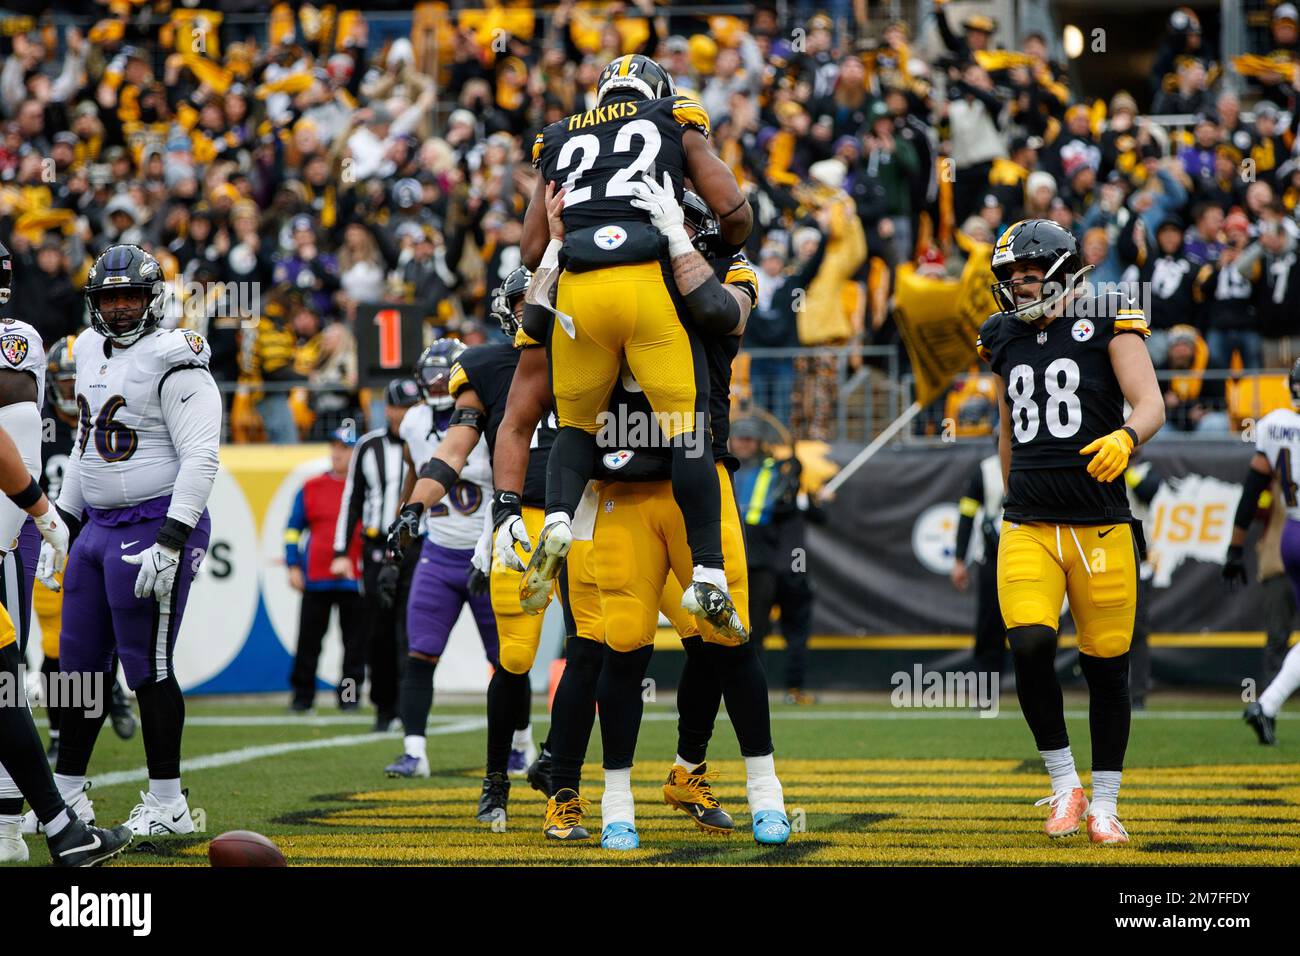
(601, 114)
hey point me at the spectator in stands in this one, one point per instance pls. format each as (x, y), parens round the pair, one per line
(975, 118)
(1165, 270)
(1193, 402)
(1181, 44)
(271, 359)
(773, 325)
(1268, 264)
(44, 295)
(1232, 322)
(1203, 241)
(1277, 83)
(315, 513)
(1186, 93)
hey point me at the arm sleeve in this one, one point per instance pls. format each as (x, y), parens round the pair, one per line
(195, 427)
(967, 508)
(1255, 485)
(354, 496)
(293, 530)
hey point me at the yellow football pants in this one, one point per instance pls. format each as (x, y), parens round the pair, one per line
(621, 311)
(584, 597)
(640, 537)
(1096, 565)
(518, 633)
(47, 605)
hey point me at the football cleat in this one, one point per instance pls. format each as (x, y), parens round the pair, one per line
(13, 849)
(1265, 726)
(800, 697)
(408, 766)
(496, 794)
(544, 566)
(771, 827)
(710, 603)
(521, 760)
(1104, 828)
(619, 836)
(691, 792)
(539, 772)
(564, 816)
(120, 713)
(81, 805)
(1068, 808)
(152, 817)
(79, 844)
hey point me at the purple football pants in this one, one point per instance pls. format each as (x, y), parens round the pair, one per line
(101, 613)
(438, 592)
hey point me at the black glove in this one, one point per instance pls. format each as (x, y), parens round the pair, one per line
(478, 583)
(1234, 567)
(404, 529)
(386, 584)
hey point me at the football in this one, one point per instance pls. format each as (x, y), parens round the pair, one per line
(244, 848)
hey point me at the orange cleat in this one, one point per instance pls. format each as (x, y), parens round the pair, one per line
(1068, 808)
(1104, 828)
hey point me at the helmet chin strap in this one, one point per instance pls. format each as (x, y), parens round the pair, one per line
(1036, 310)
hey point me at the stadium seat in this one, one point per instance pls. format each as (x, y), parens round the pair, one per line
(1254, 396)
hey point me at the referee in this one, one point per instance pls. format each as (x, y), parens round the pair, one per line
(371, 498)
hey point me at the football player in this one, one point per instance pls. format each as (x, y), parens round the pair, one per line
(479, 384)
(617, 288)
(1277, 453)
(1066, 361)
(442, 584)
(136, 488)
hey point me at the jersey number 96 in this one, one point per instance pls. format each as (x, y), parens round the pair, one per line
(113, 440)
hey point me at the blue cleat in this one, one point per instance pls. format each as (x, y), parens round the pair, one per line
(771, 827)
(619, 836)
(408, 766)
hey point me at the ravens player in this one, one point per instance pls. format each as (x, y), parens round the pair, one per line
(479, 383)
(1277, 452)
(1066, 363)
(617, 288)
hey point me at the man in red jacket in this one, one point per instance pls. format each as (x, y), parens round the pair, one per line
(316, 512)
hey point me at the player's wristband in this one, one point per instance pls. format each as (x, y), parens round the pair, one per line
(505, 504)
(28, 496)
(1131, 434)
(173, 534)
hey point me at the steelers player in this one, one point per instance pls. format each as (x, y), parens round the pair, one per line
(618, 291)
(479, 383)
(631, 564)
(1065, 366)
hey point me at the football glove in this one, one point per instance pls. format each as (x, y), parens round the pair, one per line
(157, 571)
(1234, 567)
(386, 584)
(510, 533)
(54, 547)
(477, 583)
(1109, 455)
(665, 212)
(404, 529)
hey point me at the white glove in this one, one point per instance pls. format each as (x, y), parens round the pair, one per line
(54, 549)
(157, 571)
(512, 530)
(665, 213)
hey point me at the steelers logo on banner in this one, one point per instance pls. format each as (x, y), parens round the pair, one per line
(934, 537)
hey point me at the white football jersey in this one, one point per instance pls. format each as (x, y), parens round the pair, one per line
(21, 349)
(457, 520)
(1277, 438)
(150, 424)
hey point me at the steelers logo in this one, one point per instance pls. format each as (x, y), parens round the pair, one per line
(934, 536)
(610, 237)
(1083, 330)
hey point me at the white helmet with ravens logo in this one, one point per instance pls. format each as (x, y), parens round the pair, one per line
(640, 75)
(1050, 247)
(433, 371)
(124, 290)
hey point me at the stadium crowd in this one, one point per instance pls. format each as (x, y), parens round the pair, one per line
(323, 166)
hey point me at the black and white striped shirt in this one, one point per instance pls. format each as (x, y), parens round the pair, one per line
(373, 490)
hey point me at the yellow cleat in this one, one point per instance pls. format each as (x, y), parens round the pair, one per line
(564, 816)
(1068, 808)
(691, 792)
(1106, 830)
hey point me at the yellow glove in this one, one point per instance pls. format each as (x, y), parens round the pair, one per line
(1111, 455)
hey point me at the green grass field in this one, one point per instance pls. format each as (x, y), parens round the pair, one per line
(864, 784)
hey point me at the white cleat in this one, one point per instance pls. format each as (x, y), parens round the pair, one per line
(544, 566)
(12, 847)
(152, 817)
(81, 805)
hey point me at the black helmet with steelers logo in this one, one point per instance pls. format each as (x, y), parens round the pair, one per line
(637, 74)
(1047, 244)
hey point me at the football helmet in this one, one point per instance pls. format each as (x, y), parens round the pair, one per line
(60, 370)
(645, 78)
(119, 268)
(1051, 247)
(433, 371)
(6, 274)
(402, 393)
(504, 298)
(700, 218)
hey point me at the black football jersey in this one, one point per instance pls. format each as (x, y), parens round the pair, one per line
(1063, 394)
(489, 370)
(719, 352)
(56, 446)
(599, 154)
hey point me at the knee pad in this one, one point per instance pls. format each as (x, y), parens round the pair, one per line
(1032, 640)
(628, 625)
(516, 658)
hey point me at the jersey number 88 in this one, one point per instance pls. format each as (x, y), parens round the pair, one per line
(1061, 408)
